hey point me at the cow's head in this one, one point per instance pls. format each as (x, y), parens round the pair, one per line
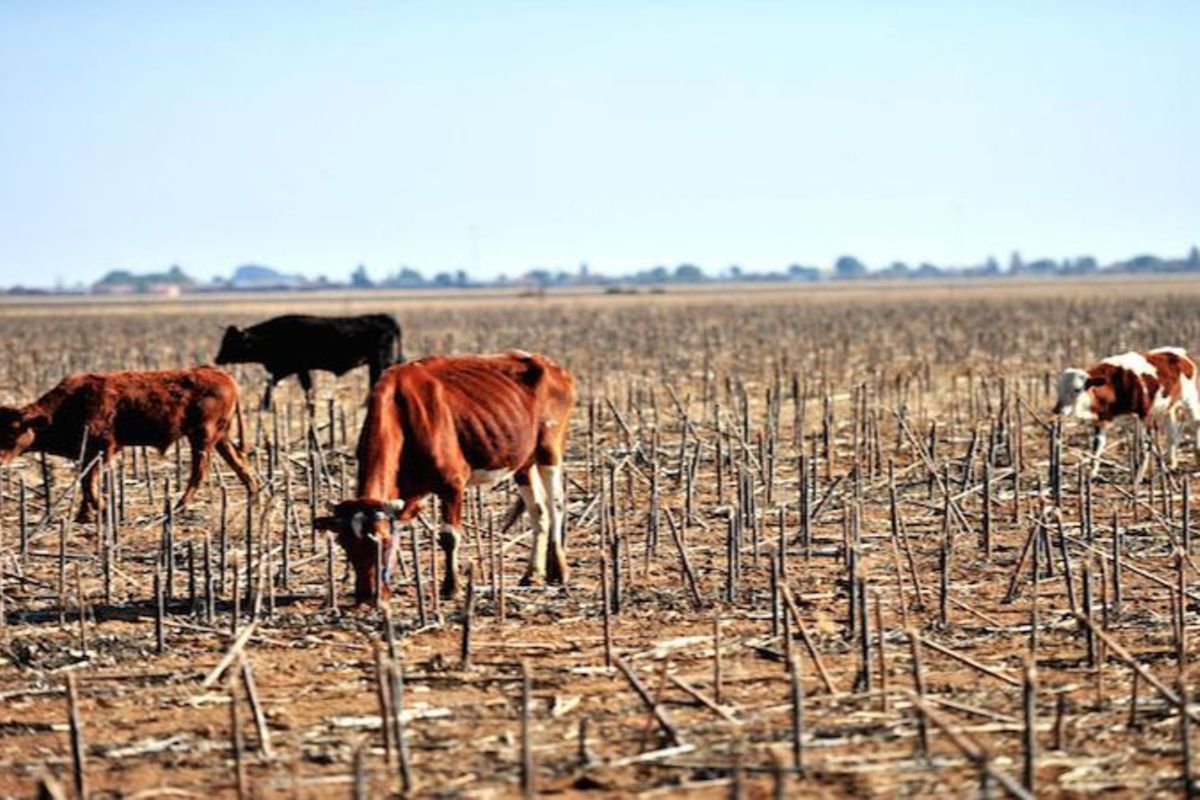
(1075, 394)
(237, 346)
(18, 430)
(364, 530)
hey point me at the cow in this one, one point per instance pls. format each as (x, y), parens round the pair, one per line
(94, 415)
(1150, 386)
(440, 424)
(296, 344)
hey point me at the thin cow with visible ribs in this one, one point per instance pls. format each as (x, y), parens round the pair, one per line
(440, 424)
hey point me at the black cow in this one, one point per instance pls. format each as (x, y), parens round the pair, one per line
(294, 344)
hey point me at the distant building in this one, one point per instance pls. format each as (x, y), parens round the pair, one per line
(113, 287)
(171, 283)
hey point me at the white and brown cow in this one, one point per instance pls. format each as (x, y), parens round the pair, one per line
(1151, 386)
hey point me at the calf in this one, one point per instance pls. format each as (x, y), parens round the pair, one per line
(440, 424)
(94, 415)
(1150, 386)
(296, 344)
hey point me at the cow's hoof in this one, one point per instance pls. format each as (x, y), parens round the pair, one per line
(85, 517)
(530, 579)
(449, 591)
(556, 573)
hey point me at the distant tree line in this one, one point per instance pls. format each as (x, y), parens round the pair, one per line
(142, 282)
(254, 277)
(844, 268)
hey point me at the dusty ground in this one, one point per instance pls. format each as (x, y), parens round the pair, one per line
(869, 364)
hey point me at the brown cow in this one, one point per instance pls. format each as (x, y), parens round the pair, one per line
(96, 414)
(440, 424)
(1151, 386)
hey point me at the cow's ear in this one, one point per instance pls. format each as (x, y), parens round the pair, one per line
(1090, 382)
(330, 523)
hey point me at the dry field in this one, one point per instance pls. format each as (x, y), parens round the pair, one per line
(958, 609)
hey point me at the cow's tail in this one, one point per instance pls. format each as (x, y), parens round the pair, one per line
(397, 354)
(513, 514)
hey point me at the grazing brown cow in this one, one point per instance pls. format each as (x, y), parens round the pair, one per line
(440, 424)
(96, 414)
(1150, 386)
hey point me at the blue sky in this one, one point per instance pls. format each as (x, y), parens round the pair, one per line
(498, 137)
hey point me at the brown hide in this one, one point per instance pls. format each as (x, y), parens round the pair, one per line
(1116, 391)
(430, 424)
(118, 409)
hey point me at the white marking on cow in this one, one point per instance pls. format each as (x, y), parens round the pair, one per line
(1172, 441)
(1073, 401)
(1189, 397)
(486, 477)
(534, 498)
(1099, 441)
(356, 522)
(552, 486)
(1134, 362)
(1177, 351)
(1162, 401)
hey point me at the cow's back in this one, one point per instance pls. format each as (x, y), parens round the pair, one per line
(1172, 364)
(151, 408)
(494, 403)
(294, 342)
(511, 379)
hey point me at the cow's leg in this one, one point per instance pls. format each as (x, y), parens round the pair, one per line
(236, 460)
(375, 368)
(201, 448)
(552, 489)
(448, 539)
(266, 401)
(1143, 457)
(1172, 441)
(1099, 439)
(533, 497)
(89, 504)
(306, 383)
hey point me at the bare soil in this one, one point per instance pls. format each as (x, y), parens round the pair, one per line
(674, 389)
